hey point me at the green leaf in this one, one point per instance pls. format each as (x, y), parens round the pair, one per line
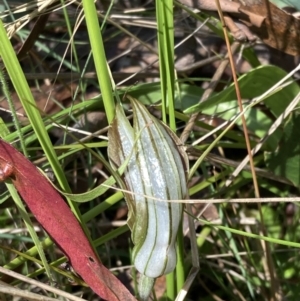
(285, 161)
(254, 84)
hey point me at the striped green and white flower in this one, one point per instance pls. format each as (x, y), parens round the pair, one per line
(156, 170)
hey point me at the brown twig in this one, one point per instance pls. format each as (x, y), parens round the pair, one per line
(265, 245)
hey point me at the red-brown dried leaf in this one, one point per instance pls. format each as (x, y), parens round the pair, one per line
(56, 218)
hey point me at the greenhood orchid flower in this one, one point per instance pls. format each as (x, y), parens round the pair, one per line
(156, 173)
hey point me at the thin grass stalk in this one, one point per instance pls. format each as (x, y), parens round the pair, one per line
(99, 56)
(20, 84)
(13, 111)
(19, 81)
(26, 218)
(266, 246)
(165, 27)
(165, 24)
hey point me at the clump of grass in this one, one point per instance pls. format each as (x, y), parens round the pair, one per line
(236, 263)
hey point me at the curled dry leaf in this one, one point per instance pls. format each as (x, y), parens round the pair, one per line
(279, 30)
(273, 24)
(56, 218)
(157, 167)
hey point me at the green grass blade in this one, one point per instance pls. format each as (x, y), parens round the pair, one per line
(20, 84)
(30, 227)
(165, 24)
(165, 27)
(99, 56)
